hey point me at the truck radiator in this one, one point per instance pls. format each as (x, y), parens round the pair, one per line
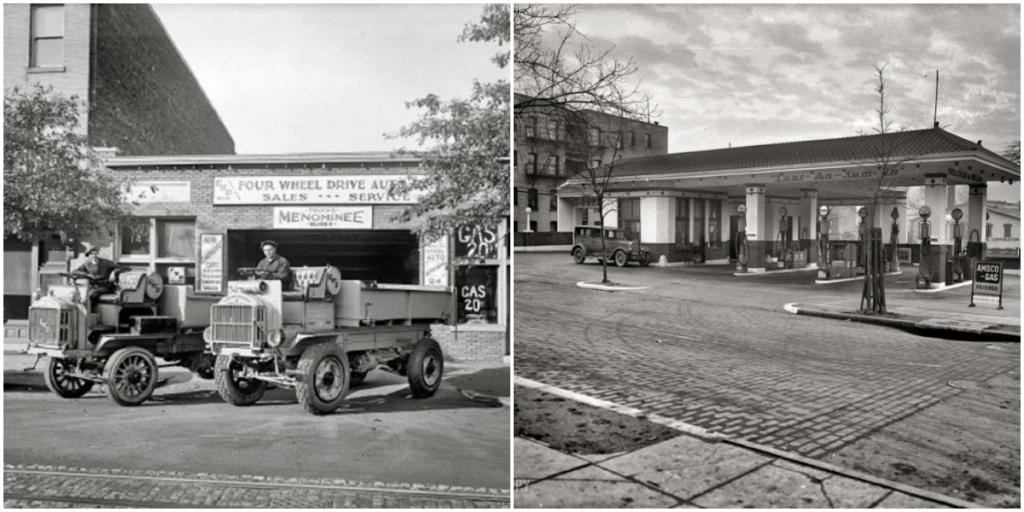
(238, 323)
(51, 326)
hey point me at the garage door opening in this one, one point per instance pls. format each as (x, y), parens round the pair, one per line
(385, 256)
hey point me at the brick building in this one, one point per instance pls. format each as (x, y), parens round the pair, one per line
(552, 145)
(141, 98)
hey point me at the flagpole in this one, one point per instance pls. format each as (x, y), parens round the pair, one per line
(935, 119)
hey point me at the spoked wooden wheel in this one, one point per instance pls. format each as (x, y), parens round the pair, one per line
(58, 380)
(131, 375)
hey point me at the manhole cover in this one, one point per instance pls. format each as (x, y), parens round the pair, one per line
(965, 384)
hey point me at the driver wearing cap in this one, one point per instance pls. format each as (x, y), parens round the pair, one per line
(102, 271)
(277, 265)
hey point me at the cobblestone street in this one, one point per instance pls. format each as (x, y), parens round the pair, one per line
(60, 487)
(719, 352)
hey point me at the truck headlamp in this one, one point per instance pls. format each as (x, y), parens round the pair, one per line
(208, 334)
(275, 338)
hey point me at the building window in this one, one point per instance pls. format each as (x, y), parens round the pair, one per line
(1007, 230)
(595, 137)
(647, 140)
(554, 130)
(682, 220)
(632, 139)
(698, 221)
(558, 166)
(586, 216)
(515, 159)
(629, 217)
(619, 141)
(553, 202)
(988, 231)
(531, 199)
(478, 276)
(533, 226)
(176, 239)
(596, 163)
(135, 238)
(554, 226)
(531, 126)
(47, 36)
(531, 163)
(715, 222)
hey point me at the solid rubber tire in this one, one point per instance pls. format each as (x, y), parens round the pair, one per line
(53, 382)
(578, 256)
(230, 391)
(424, 349)
(110, 374)
(621, 259)
(306, 387)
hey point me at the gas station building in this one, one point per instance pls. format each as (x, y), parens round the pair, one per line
(672, 201)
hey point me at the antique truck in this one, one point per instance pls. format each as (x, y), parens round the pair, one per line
(114, 340)
(322, 337)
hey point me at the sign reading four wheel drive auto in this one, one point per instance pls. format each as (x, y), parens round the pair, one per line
(310, 190)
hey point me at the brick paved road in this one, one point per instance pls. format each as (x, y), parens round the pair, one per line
(53, 487)
(713, 350)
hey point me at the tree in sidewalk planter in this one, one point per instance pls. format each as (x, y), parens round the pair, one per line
(463, 147)
(52, 179)
(890, 148)
(595, 140)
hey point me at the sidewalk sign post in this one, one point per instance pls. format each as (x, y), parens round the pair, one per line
(988, 283)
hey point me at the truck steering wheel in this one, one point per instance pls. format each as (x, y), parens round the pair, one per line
(254, 273)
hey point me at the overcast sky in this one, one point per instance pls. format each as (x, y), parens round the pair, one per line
(326, 78)
(758, 74)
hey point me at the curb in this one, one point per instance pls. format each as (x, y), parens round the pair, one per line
(607, 288)
(795, 309)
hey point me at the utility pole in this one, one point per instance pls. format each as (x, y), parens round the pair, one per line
(935, 118)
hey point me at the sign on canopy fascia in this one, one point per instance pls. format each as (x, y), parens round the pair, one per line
(305, 190)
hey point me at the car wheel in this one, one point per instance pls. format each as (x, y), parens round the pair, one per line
(236, 390)
(131, 375)
(645, 259)
(578, 256)
(59, 382)
(621, 259)
(426, 367)
(324, 378)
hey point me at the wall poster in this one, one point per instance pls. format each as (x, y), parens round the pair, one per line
(210, 271)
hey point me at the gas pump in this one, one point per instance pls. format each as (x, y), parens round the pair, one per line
(958, 255)
(924, 274)
(742, 256)
(783, 239)
(894, 241)
(824, 248)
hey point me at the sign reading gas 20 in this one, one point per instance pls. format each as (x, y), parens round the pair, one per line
(310, 190)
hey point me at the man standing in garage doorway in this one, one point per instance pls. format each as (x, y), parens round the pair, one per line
(277, 265)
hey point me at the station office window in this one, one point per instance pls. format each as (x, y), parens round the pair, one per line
(698, 221)
(647, 140)
(988, 230)
(1007, 230)
(715, 223)
(632, 139)
(682, 220)
(629, 216)
(47, 32)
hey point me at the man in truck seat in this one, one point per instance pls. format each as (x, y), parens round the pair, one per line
(103, 271)
(276, 264)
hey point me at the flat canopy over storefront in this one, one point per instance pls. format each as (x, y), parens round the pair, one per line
(837, 168)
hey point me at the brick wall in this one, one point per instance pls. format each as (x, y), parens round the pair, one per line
(145, 100)
(464, 343)
(73, 79)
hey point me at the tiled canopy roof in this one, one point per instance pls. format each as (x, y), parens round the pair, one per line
(852, 149)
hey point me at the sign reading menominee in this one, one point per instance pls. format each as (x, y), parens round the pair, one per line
(309, 190)
(323, 217)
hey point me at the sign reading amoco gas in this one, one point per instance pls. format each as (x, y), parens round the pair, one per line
(310, 190)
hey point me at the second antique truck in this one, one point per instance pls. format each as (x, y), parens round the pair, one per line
(322, 337)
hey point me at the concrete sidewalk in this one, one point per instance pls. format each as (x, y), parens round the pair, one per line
(690, 472)
(935, 312)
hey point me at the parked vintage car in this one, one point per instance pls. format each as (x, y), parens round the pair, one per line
(587, 244)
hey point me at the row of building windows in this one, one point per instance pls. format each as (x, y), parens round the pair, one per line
(556, 131)
(553, 165)
(532, 199)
